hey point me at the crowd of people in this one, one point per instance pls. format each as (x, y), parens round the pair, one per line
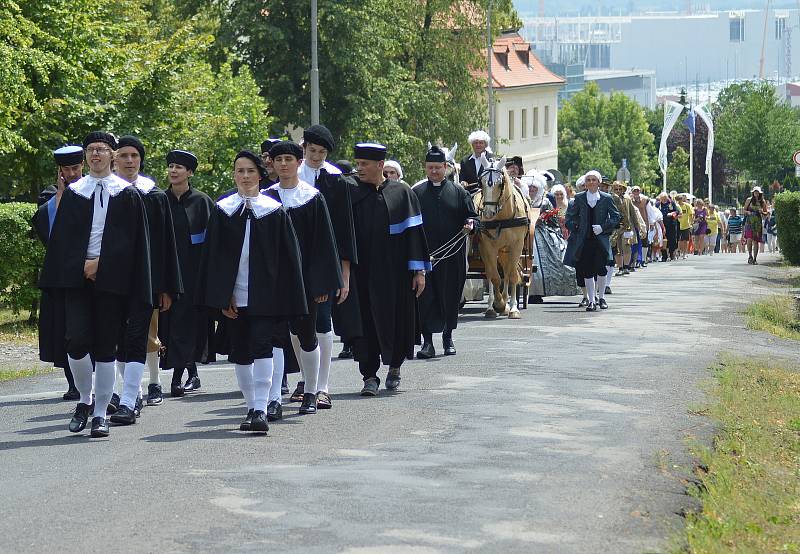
(136, 278)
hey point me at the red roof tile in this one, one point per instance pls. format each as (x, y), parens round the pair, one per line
(515, 65)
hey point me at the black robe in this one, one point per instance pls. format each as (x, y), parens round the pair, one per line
(391, 246)
(164, 267)
(124, 267)
(275, 276)
(183, 329)
(308, 211)
(445, 210)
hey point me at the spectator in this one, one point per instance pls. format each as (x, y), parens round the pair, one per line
(755, 208)
(670, 212)
(735, 228)
(685, 220)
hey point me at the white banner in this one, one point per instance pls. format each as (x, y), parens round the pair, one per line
(672, 111)
(705, 114)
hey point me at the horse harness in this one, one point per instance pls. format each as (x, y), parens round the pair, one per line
(498, 224)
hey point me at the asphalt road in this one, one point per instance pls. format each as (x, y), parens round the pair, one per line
(564, 431)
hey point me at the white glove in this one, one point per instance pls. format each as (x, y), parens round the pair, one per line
(628, 234)
(597, 229)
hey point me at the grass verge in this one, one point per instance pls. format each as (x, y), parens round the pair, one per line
(749, 482)
(10, 374)
(774, 314)
(14, 328)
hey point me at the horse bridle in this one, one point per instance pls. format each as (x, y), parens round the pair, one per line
(490, 184)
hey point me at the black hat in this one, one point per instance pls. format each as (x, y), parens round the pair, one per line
(262, 169)
(319, 134)
(130, 140)
(267, 144)
(344, 166)
(100, 136)
(435, 154)
(182, 157)
(517, 161)
(71, 154)
(286, 147)
(369, 151)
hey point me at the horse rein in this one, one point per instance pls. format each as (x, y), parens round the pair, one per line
(491, 184)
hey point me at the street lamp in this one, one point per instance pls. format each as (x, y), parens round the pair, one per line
(314, 66)
(489, 87)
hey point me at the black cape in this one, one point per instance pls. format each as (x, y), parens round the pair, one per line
(312, 225)
(445, 210)
(391, 246)
(164, 267)
(183, 330)
(275, 276)
(124, 267)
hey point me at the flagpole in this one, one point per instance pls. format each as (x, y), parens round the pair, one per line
(691, 164)
(665, 180)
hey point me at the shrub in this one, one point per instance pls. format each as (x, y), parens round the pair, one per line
(21, 256)
(787, 214)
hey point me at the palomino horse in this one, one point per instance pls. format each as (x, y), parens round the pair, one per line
(504, 225)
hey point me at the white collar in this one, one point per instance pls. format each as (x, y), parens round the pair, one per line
(300, 195)
(439, 184)
(592, 197)
(145, 184)
(260, 205)
(86, 185)
(307, 172)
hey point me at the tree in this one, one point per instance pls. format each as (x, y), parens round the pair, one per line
(605, 130)
(678, 170)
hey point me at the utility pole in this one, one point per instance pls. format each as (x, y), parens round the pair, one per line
(314, 66)
(490, 87)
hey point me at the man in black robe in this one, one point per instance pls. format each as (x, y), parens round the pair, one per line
(328, 179)
(98, 253)
(140, 343)
(321, 267)
(447, 212)
(69, 160)
(183, 330)
(390, 275)
(271, 177)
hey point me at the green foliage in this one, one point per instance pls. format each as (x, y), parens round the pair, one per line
(22, 256)
(756, 131)
(678, 170)
(787, 215)
(598, 132)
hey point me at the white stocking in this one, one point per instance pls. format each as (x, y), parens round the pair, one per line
(104, 377)
(590, 289)
(277, 375)
(244, 375)
(262, 380)
(325, 352)
(601, 287)
(609, 275)
(297, 351)
(310, 364)
(131, 383)
(82, 373)
(121, 372)
(152, 366)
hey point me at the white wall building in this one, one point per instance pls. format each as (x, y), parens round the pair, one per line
(636, 84)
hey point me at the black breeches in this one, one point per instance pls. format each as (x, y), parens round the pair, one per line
(251, 337)
(305, 327)
(133, 347)
(93, 322)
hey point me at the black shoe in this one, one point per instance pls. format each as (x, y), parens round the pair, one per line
(79, 418)
(324, 401)
(371, 387)
(137, 407)
(603, 304)
(608, 290)
(537, 299)
(591, 307)
(154, 394)
(192, 384)
(123, 416)
(113, 406)
(449, 347)
(309, 405)
(346, 353)
(176, 390)
(72, 394)
(583, 303)
(274, 411)
(248, 419)
(259, 423)
(99, 427)
(393, 379)
(426, 352)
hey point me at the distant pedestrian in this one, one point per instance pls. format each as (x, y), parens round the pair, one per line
(755, 208)
(735, 230)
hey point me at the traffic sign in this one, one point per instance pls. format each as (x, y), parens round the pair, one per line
(796, 158)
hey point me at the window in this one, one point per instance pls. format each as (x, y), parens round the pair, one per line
(535, 132)
(737, 29)
(510, 124)
(523, 128)
(546, 120)
(780, 27)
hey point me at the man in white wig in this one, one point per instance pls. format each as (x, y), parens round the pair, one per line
(471, 165)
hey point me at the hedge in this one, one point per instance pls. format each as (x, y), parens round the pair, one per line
(21, 256)
(787, 214)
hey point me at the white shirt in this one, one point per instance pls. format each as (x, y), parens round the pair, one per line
(309, 174)
(240, 290)
(592, 198)
(296, 196)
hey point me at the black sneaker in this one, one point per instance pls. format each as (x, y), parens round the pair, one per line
(371, 387)
(176, 390)
(99, 427)
(192, 384)
(583, 303)
(113, 406)
(79, 418)
(155, 396)
(393, 379)
(346, 353)
(591, 307)
(309, 405)
(259, 423)
(137, 407)
(248, 419)
(72, 394)
(274, 411)
(123, 416)
(603, 304)
(608, 290)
